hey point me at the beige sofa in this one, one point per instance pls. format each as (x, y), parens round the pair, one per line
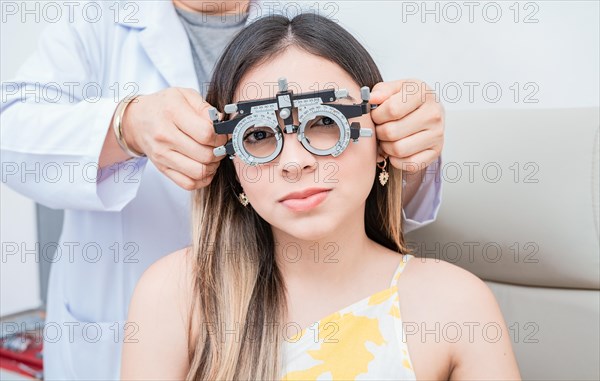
(520, 210)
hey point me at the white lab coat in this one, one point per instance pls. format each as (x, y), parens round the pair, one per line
(114, 226)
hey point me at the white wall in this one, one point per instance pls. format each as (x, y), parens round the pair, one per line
(19, 274)
(557, 56)
(554, 62)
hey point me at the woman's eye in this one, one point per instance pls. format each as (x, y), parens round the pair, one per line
(255, 135)
(327, 120)
(323, 121)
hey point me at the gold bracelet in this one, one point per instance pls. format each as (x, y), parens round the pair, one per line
(118, 128)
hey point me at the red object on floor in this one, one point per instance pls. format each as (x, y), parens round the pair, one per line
(10, 360)
(11, 365)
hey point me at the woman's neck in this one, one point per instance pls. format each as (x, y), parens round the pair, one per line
(335, 259)
(214, 8)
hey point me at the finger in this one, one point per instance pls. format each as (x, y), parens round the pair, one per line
(187, 146)
(411, 145)
(193, 119)
(383, 90)
(196, 101)
(199, 129)
(187, 166)
(397, 99)
(428, 117)
(201, 106)
(180, 179)
(186, 182)
(399, 129)
(415, 163)
(396, 107)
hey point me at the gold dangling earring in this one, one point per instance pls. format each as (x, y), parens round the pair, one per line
(243, 199)
(383, 175)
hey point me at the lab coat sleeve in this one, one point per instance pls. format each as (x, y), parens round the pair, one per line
(424, 206)
(55, 116)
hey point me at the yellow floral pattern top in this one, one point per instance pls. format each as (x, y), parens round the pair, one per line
(363, 341)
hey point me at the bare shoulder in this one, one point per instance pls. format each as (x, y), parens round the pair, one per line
(456, 316)
(167, 282)
(158, 311)
(443, 278)
(171, 274)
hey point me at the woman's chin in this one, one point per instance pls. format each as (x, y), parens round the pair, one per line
(303, 233)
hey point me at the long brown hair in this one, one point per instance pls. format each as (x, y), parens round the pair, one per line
(237, 284)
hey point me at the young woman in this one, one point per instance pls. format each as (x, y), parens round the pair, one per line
(280, 287)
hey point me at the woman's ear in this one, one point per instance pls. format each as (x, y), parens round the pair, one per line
(380, 153)
(235, 167)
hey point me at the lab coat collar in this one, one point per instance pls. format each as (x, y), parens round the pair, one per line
(164, 39)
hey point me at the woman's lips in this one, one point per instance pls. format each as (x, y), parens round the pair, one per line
(305, 204)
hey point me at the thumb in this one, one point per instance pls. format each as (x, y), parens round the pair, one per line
(196, 101)
(384, 90)
(379, 93)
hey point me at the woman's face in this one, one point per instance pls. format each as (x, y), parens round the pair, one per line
(346, 179)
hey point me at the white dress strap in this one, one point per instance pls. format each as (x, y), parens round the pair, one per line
(400, 268)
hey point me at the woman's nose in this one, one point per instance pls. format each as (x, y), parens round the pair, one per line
(294, 159)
